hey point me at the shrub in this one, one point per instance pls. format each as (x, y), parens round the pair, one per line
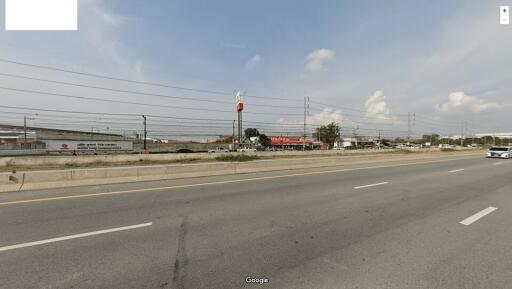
(236, 158)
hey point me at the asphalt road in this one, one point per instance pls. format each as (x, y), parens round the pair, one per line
(424, 224)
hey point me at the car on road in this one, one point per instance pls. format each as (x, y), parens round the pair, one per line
(247, 150)
(218, 150)
(499, 152)
(446, 146)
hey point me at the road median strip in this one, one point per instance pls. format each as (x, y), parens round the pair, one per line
(35, 180)
(87, 195)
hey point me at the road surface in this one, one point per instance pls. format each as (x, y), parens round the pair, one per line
(441, 223)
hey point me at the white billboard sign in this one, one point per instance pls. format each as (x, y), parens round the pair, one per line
(87, 146)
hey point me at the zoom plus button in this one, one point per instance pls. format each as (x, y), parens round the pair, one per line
(504, 14)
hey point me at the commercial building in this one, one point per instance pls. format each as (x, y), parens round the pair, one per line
(18, 140)
(14, 136)
(294, 143)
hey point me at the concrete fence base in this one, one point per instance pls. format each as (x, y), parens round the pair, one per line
(31, 180)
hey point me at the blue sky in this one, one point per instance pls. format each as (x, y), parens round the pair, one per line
(446, 61)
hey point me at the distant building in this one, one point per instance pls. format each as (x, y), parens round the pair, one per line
(480, 135)
(13, 136)
(38, 140)
(496, 134)
(13, 132)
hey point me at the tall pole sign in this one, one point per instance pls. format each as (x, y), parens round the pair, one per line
(239, 109)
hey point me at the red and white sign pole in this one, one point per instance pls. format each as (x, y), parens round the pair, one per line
(239, 109)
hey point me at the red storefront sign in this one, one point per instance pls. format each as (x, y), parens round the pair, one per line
(288, 140)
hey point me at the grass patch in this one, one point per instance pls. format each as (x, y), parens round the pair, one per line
(406, 151)
(236, 158)
(99, 164)
(186, 161)
(447, 150)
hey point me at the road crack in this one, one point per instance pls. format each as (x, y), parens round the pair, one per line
(180, 265)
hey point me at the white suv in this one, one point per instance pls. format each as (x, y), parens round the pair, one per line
(499, 152)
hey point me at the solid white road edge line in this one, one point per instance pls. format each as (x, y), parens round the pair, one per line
(454, 171)
(41, 242)
(468, 221)
(372, 185)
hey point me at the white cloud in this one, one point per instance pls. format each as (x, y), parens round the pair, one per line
(326, 116)
(460, 102)
(253, 62)
(377, 107)
(316, 60)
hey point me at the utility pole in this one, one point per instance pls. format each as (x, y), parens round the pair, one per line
(25, 129)
(464, 132)
(468, 134)
(306, 107)
(380, 141)
(408, 128)
(355, 133)
(462, 135)
(145, 134)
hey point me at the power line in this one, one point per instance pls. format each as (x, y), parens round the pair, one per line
(136, 92)
(106, 113)
(136, 81)
(126, 102)
(103, 114)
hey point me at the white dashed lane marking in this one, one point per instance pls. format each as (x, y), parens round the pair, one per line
(41, 242)
(470, 220)
(371, 185)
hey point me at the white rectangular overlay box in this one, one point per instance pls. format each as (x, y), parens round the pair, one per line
(504, 15)
(41, 14)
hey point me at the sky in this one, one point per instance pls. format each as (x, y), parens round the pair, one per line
(363, 64)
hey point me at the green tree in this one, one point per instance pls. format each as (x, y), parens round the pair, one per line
(431, 138)
(264, 140)
(251, 132)
(328, 133)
